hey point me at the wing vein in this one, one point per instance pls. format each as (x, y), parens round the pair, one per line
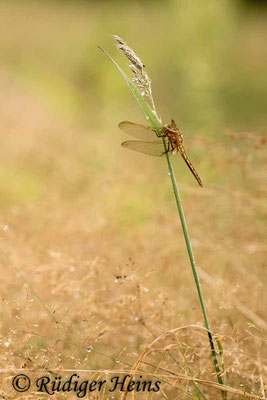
(155, 149)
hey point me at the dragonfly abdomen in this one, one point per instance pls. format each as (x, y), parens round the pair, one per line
(190, 166)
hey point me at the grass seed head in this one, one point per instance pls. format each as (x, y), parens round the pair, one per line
(141, 78)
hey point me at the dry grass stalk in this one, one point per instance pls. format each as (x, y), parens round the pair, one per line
(151, 349)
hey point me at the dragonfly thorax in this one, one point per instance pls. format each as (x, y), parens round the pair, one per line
(173, 134)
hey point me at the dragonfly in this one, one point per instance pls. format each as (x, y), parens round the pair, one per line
(152, 144)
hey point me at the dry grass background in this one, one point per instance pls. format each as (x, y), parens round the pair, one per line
(94, 228)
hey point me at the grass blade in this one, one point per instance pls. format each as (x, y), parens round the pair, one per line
(153, 119)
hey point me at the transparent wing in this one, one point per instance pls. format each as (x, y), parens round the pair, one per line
(150, 148)
(138, 131)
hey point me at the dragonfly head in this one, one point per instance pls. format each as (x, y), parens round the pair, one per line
(171, 126)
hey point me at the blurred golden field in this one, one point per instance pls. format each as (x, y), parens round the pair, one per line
(93, 261)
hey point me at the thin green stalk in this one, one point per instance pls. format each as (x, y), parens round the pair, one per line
(8, 262)
(143, 80)
(192, 262)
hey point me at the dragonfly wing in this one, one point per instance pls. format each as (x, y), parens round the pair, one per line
(138, 131)
(150, 148)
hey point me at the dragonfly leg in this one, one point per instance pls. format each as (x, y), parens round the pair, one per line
(173, 148)
(168, 148)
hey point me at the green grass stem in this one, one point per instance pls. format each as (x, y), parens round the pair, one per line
(153, 119)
